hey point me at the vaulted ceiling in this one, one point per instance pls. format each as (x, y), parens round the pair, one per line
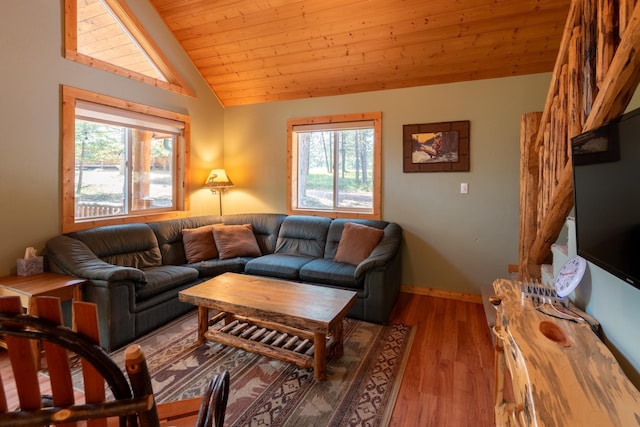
(253, 51)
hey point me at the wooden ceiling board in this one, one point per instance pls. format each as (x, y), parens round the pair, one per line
(269, 50)
(460, 52)
(395, 32)
(294, 89)
(264, 97)
(370, 51)
(101, 37)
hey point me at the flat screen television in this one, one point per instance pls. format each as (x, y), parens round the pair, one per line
(606, 177)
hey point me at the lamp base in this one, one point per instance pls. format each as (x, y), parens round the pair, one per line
(219, 199)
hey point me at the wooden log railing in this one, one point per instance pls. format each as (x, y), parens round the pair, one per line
(596, 73)
(97, 209)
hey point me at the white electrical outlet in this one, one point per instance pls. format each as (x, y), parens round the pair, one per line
(464, 187)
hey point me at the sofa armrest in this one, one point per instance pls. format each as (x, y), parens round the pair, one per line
(385, 251)
(73, 257)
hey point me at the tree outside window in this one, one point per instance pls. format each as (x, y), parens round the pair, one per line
(120, 170)
(336, 165)
(122, 161)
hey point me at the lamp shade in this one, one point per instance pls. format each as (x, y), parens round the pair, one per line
(218, 179)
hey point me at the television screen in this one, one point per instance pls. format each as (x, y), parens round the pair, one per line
(606, 173)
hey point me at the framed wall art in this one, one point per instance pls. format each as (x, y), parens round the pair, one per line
(436, 147)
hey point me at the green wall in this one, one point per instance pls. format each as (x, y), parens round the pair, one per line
(451, 241)
(32, 71)
(615, 304)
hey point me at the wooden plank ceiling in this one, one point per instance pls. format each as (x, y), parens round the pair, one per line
(253, 51)
(101, 36)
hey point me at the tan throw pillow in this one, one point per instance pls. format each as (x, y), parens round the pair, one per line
(199, 244)
(236, 240)
(357, 242)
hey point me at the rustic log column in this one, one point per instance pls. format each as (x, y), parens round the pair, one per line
(574, 92)
(622, 79)
(529, 125)
(607, 37)
(561, 142)
(625, 9)
(588, 106)
(549, 166)
(589, 47)
(555, 218)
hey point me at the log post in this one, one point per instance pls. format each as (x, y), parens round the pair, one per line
(555, 218)
(562, 118)
(625, 9)
(607, 37)
(589, 47)
(622, 79)
(574, 92)
(579, 106)
(529, 125)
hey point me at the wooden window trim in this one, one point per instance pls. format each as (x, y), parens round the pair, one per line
(175, 82)
(376, 117)
(69, 97)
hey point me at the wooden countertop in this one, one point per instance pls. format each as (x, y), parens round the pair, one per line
(563, 375)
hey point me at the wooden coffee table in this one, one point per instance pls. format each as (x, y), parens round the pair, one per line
(288, 321)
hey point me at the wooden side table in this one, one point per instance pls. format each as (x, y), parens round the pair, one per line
(43, 284)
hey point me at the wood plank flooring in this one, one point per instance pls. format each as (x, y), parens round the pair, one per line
(448, 380)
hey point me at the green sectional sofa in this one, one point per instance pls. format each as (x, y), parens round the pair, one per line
(135, 271)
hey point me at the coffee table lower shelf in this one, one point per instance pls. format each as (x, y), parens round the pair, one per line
(305, 349)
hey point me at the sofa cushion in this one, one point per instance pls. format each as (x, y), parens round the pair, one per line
(127, 245)
(72, 257)
(337, 227)
(283, 266)
(266, 227)
(236, 241)
(163, 278)
(303, 235)
(198, 244)
(216, 266)
(357, 242)
(169, 235)
(330, 272)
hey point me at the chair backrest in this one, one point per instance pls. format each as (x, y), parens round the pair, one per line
(23, 334)
(130, 402)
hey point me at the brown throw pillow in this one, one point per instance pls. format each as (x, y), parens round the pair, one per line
(236, 240)
(357, 242)
(199, 244)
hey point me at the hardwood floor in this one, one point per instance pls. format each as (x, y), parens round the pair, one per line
(448, 380)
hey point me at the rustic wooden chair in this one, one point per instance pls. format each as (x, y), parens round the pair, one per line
(132, 402)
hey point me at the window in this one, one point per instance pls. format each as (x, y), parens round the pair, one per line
(105, 34)
(334, 165)
(121, 160)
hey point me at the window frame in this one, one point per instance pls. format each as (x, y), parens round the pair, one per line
(143, 39)
(292, 165)
(181, 183)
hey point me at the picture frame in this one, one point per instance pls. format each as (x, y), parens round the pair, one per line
(436, 147)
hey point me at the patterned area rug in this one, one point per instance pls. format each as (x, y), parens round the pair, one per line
(360, 389)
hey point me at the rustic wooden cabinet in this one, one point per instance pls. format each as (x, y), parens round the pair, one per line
(561, 373)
